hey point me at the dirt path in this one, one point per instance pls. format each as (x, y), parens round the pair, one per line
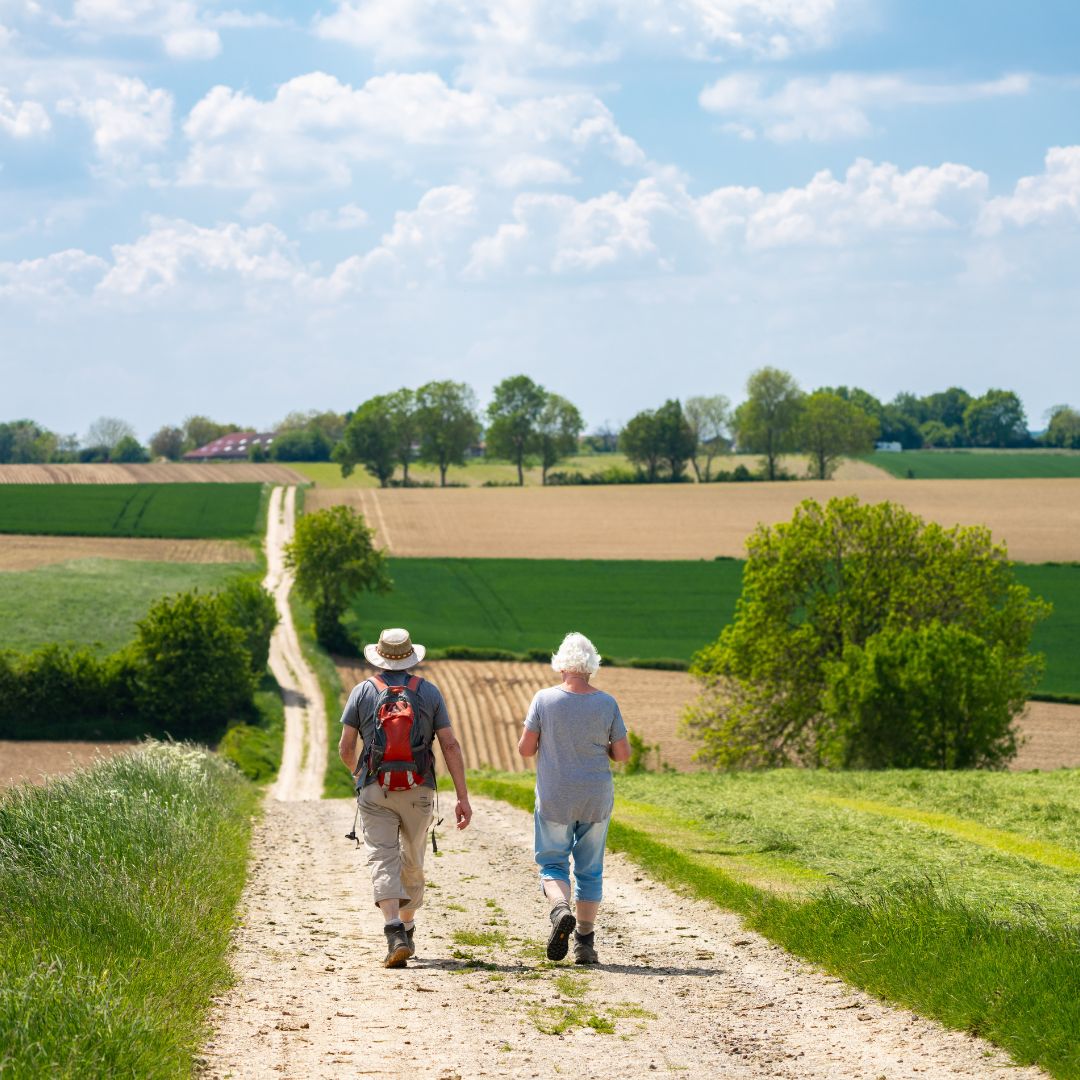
(303, 759)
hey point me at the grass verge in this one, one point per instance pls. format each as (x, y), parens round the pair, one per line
(1005, 971)
(255, 749)
(118, 887)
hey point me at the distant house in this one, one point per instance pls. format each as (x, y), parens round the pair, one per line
(236, 446)
(888, 447)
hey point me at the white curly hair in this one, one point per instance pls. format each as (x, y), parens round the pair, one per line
(576, 654)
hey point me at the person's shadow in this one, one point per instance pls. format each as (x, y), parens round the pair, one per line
(522, 968)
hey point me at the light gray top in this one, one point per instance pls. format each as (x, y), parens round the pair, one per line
(573, 774)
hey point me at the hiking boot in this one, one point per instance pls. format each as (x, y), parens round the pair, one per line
(562, 922)
(412, 944)
(397, 946)
(584, 952)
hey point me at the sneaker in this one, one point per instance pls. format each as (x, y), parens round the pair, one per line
(584, 952)
(562, 922)
(412, 944)
(397, 946)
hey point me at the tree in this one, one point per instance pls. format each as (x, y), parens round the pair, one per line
(1064, 428)
(23, 442)
(675, 438)
(639, 440)
(947, 407)
(330, 425)
(248, 606)
(200, 430)
(710, 421)
(996, 419)
(167, 442)
(446, 416)
(783, 683)
(300, 444)
(334, 557)
(402, 407)
(766, 420)
(829, 428)
(370, 440)
(557, 432)
(129, 451)
(513, 414)
(107, 431)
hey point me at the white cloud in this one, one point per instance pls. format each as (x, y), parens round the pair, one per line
(349, 216)
(317, 129)
(22, 120)
(497, 37)
(50, 277)
(1049, 198)
(836, 107)
(128, 118)
(175, 253)
(523, 170)
(185, 31)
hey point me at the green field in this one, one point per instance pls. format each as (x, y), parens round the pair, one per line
(630, 609)
(952, 894)
(978, 464)
(177, 511)
(94, 602)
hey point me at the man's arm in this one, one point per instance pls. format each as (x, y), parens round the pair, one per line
(528, 743)
(619, 750)
(455, 764)
(347, 750)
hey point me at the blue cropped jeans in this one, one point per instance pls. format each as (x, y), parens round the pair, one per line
(555, 844)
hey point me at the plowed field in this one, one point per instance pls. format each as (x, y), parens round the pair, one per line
(28, 552)
(37, 761)
(239, 472)
(488, 702)
(1038, 519)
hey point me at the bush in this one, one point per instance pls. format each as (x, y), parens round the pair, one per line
(853, 618)
(250, 608)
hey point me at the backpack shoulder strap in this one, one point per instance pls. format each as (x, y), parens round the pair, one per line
(414, 683)
(378, 682)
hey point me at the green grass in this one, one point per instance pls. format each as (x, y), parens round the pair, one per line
(94, 602)
(953, 894)
(178, 511)
(255, 749)
(118, 888)
(978, 464)
(629, 608)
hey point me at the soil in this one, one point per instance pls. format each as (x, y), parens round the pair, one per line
(35, 762)
(1038, 519)
(165, 472)
(28, 552)
(681, 984)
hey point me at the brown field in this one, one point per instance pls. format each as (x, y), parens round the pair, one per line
(1038, 519)
(28, 552)
(488, 701)
(37, 761)
(167, 472)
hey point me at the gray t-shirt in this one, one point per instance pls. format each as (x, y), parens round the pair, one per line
(360, 709)
(573, 774)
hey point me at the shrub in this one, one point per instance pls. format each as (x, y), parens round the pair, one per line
(847, 605)
(250, 608)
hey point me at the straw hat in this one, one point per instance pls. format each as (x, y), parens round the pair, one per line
(395, 651)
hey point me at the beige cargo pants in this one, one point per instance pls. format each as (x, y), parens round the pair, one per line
(396, 825)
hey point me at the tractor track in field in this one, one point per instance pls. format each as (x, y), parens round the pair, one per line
(682, 985)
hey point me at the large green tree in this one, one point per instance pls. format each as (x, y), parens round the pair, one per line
(23, 442)
(676, 438)
(765, 422)
(557, 431)
(848, 603)
(448, 424)
(402, 407)
(513, 414)
(334, 557)
(167, 442)
(371, 440)
(639, 440)
(830, 428)
(996, 419)
(710, 422)
(1064, 428)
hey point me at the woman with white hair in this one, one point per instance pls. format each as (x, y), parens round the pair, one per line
(574, 730)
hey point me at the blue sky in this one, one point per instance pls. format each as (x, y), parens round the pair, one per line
(244, 208)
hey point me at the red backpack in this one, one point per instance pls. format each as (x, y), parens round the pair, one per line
(398, 756)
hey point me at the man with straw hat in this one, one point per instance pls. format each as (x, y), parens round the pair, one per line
(396, 791)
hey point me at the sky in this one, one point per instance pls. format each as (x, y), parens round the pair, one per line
(243, 208)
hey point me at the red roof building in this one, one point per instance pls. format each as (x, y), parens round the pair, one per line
(232, 447)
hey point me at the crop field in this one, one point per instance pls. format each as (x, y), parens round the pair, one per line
(35, 762)
(94, 602)
(166, 472)
(979, 464)
(643, 610)
(1038, 519)
(487, 701)
(179, 511)
(20, 552)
